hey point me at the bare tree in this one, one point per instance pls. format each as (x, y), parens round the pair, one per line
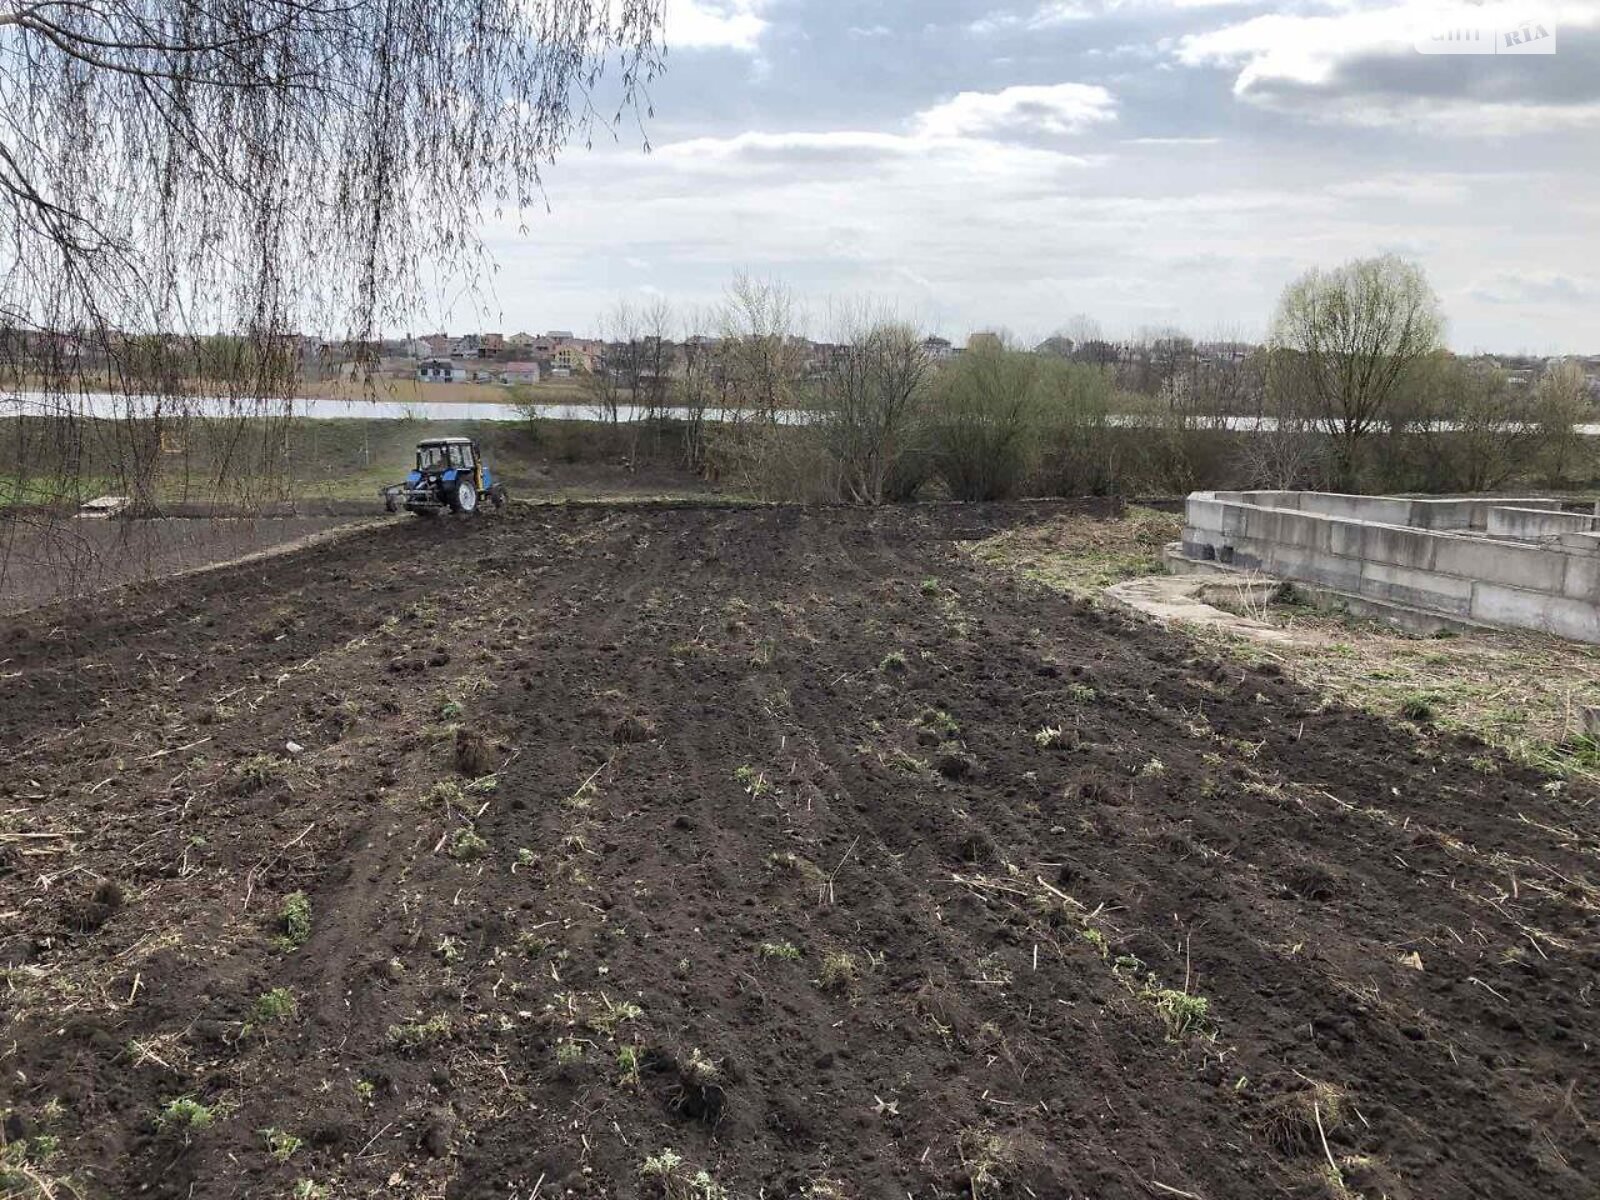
(1348, 338)
(656, 359)
(170, 169)
(873, 394)
(1082, 329)
(617, 371)
(762, 356)
(695, 387)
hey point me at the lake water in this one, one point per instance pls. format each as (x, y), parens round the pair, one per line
(112, 405)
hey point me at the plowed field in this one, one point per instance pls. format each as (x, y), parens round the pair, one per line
(756, 853)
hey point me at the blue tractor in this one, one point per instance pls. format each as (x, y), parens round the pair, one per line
(450, 474)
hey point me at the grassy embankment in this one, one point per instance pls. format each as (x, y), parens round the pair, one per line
(319, 460)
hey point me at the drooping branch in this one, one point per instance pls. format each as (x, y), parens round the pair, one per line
(316, 151)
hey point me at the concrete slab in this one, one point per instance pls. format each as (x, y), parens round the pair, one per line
(1179, 599)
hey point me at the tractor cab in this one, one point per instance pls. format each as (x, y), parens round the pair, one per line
(449, 474)
(447, 454)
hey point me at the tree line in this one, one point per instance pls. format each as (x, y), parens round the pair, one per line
(1353, 390)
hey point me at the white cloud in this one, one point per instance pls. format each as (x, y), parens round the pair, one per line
(1298, 49)
(1058, 12)
(1466, 118)
(1410, 189)
(715, 24)
(844, 149)
(1309, 47)
(1060, 108)
(1048, 15)
(1544, 287)
(1321, 65)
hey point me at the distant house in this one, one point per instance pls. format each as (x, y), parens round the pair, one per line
(438, 345)
(440, 370)
(520, 342)
(520, 372)
(465, 346)
(491, 345)
(937, 348)
(570, 358)
(823, 357)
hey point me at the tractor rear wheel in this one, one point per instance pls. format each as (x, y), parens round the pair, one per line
(465, 498)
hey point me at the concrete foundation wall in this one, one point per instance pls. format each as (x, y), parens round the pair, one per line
(1452, 514)
(1532, 524)
(1426, 555)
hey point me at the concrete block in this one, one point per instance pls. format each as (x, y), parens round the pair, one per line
(1512, 564)
(1200, 543)
(1581, 580)
(1418, 588)
(1345, 538)
(1497, 604)
(1582, 543)
(1203, 514)
(1381, 509)
(1268, 499)
(1533, 524)
(1311, 566)
(1443, 515)
(1400, 546)
(1481, 507)
(1282, 527)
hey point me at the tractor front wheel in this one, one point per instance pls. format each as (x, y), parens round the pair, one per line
(464, 499)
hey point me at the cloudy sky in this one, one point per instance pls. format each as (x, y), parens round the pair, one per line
(1012, 163)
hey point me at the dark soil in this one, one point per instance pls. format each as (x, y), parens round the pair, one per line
(46, 556)
(740, 887)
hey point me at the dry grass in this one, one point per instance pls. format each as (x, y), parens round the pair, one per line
(1519, 692)
(1082, 555)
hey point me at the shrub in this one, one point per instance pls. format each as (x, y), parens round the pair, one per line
(838, 971)
(294, 920)
(185, 1113)
(984, 420)
(417, 1035)
(276, 1005)
(1417, 707)
(281, 1144)
(1078, 450)
(257, 772)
